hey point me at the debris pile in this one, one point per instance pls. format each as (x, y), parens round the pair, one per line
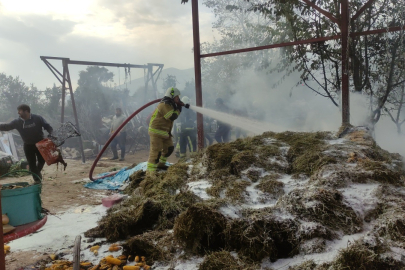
(68, 152)
(249, 203)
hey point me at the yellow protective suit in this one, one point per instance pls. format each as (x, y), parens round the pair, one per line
(160, 126)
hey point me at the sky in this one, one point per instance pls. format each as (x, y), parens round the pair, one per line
(118, 31)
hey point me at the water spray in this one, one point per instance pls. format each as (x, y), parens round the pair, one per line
(256, 127)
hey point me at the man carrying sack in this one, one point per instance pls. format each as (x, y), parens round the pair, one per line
(30, 128)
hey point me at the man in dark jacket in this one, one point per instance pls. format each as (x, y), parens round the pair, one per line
(222, 135)
(30, 128)
(188, 130)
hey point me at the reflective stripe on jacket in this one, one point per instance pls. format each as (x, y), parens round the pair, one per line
(160, 122)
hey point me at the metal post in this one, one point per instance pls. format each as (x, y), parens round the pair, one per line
(62, 117)
(344, 28)
(197, 71)
(2, 255)
(74, 111)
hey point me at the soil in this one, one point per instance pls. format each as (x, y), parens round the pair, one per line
(62, 190)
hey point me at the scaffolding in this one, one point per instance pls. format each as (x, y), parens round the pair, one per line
(64, 78)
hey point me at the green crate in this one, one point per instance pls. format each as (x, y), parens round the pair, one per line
(22, 205)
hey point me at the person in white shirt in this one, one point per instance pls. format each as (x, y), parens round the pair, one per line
(121, 137)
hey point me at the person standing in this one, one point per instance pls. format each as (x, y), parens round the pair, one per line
(188, 131)
(121, 137)
(223, 132)
(160, 126)
(30, 128)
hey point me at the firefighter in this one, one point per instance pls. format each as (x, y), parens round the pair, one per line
(187, 132)
(160, 126)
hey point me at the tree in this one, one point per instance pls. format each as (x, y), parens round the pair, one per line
(396, 108)
(238, 27)
(14, 92)
(169, 81)
(95, 99)
(92, 88)
(53, 97)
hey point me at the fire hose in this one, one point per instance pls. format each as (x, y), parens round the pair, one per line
(112, 137)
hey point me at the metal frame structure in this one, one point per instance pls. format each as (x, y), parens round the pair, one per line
(64, 79)
(343, 22)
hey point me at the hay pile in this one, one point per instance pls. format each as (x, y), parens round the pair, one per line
(269, 197)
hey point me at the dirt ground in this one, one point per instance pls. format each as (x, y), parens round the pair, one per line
(62, 190)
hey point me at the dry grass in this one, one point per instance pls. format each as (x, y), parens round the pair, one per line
(300, 222)
(391, 225)
(231, 188)
(225, 261)
(383, 173)
(132, 217)
(324, 206)
(360, 257)
(155, 245)
(260, 236)
(269, 184)
(200, 228)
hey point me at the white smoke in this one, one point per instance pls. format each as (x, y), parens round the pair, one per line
(297, 108)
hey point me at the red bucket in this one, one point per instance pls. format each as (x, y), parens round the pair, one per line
(48, 151)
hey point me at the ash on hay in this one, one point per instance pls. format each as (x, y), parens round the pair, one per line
(254, 201)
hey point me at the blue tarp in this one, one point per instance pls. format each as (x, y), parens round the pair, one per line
(116, 181)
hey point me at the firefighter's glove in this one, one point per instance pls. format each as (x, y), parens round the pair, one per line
(187, 106)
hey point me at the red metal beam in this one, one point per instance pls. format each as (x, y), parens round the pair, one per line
(90, 63)
(322, 11)
(377, 31)
(62, 114)
(87, 63)
(344, 27)
(362, 9)
(279, 45)
(53, 58)
(53, 72)
(197, 72)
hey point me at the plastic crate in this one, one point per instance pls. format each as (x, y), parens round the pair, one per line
(48, 151)
(22, 205)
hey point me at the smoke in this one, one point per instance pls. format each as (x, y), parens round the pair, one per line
(296, 108)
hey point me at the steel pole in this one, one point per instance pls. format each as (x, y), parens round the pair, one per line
(344, 28)
(197, 72)
(75, 112)
(62, 116)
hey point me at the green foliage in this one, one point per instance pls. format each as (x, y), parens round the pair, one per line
(169, 81)
(376, 66)
(14, 92)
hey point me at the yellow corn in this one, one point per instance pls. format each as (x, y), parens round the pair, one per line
(131, 267)
(93, 248)
(113, 261)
